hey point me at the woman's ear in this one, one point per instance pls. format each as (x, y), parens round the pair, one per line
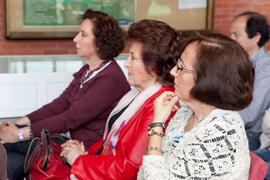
(151, 75)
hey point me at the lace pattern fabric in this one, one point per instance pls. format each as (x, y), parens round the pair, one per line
(215, 148)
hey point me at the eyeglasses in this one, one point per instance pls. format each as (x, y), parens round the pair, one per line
(179, 66)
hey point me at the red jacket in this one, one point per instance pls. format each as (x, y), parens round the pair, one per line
(131, 146)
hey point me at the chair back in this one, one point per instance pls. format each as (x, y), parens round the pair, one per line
(258, 168)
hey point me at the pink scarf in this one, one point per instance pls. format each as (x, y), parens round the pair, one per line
(110, 144)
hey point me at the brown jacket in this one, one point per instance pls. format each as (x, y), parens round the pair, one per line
(3, 163)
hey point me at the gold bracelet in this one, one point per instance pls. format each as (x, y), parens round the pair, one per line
(153, 149)
(152, 132)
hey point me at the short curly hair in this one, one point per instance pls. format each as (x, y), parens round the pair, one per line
(256, 23)
(224, 75)
(160, 47)
(109, 36)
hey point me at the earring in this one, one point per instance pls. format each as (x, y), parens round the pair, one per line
(149, 76)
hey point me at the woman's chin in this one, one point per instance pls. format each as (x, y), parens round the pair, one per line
(178, 95)
(79, 53)
(130, 83)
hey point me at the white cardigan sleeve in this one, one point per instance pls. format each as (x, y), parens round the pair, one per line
(216, 149)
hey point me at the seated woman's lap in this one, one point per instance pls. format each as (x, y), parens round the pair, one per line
(19, 147)
(15, 164)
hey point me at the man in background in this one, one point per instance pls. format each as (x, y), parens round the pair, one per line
(251, 31)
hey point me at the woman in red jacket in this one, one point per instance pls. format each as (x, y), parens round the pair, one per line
(153, 50)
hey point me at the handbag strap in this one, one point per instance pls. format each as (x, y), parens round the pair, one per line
(30, 156)
(43, 146)
(45, 140)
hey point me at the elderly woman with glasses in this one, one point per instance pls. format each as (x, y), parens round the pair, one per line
(153, 49)
(206, 138)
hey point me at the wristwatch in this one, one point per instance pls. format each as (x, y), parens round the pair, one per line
(20, 134)
(152, 132)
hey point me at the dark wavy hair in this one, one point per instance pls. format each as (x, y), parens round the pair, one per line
(109, 37)
(224, 75)
(256, 23)
(160, 47)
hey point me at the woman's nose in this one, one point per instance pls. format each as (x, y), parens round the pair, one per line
(75, 39)
(126, 64)
(173, 71)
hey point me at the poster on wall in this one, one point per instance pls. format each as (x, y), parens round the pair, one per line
(36, 19)
(65, 13)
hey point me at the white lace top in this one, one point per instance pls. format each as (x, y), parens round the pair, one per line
(215, 148)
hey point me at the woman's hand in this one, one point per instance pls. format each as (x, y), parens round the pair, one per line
(72, 149)
(23, 121)
(8, 132)
(164, 105)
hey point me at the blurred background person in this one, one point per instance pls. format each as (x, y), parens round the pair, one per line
(154, 47)
(83, 108)
(206, 138)
(251, 31)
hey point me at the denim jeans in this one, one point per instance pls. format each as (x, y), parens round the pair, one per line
(16, 153)
(254, 142)
(265, 155)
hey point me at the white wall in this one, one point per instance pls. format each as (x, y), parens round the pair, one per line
(22, 93)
